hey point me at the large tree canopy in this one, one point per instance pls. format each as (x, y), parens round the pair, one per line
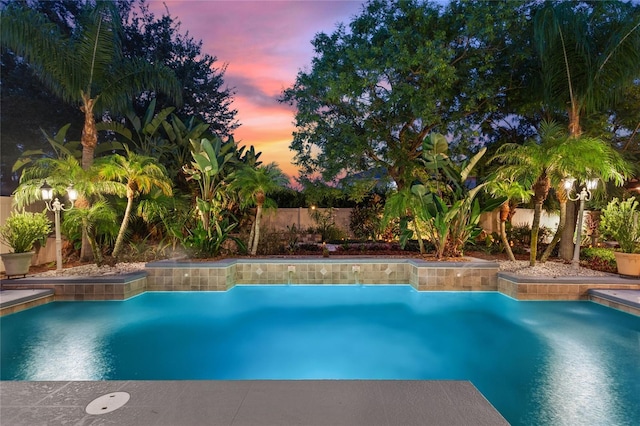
(159, 40)
(30, 104)
(399, 71)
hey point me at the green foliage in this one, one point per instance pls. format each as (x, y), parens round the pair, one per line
(101, 223)
(446, 211)
(520, 235)
(589, 55)
(620, 220)
(292, 238)
(201, 242)
(399, 71)
(24, 229)
(326, 224)
(157, 38)
(208, 170)
(271, 243)
(599, 259)
(365, 219)
(489, 244)
(140, 175)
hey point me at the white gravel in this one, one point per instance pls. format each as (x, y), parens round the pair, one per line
(95, 271)
(519, 267)
(548, 269)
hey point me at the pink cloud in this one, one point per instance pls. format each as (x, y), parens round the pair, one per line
(265, 44)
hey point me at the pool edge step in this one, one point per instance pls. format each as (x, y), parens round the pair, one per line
(621, 299)
(12, 301)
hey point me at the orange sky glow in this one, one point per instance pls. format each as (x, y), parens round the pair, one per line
(264, 44)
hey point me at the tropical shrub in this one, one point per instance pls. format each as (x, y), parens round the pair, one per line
(326, 225)
(203, 243)
(599, 259)
(24, 229)
(620, 220)
(271, 243)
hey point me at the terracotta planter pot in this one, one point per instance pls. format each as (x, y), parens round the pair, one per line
(17, 263)
(628, 264)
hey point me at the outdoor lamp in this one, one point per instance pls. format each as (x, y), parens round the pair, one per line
(47, 191)
(56, 207)
(72, 193)
(583, 195)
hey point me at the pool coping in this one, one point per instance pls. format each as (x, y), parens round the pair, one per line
(252, 402)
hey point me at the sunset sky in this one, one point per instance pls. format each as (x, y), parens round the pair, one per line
(265, 43)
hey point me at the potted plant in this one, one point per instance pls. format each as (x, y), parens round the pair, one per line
(620, 220)
(20, 232)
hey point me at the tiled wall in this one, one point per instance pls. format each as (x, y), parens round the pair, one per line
(439, 276)
(557, 290)
(322, 273)
(456, 278)
(615, 305)
(191, 277)
(26, 305)
(101, 289)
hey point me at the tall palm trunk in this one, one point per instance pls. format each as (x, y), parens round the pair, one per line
(92, 243)
(561, 193)
(254, 247)
(123, 226)
(252, 235)
(566, 238)
(260, 199)
(540, 191)
(504, 215)
(89, 141)
(89, 137)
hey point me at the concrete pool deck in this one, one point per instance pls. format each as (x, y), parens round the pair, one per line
(270, 402)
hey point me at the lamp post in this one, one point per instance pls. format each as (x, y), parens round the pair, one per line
(56, 207)
(583, 195)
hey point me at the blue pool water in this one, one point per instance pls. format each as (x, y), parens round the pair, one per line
(536, 362)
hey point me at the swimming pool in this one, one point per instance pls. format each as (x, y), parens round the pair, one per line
(536, 362)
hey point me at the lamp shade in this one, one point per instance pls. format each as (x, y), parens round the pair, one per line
(47, 191)
(72, 193)
(568, 183)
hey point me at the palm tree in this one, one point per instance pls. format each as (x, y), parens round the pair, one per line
(550, 160)
(140, 174)
(515, 193)
(86, 67)
(253, 185)
(533, 163)
(98, 218)
(59, 172)
(590, 57)
(584, 158)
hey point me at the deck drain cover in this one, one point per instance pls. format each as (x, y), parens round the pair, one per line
(107, 403)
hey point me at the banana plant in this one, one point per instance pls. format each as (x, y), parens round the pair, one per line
(208, 170)
(179, 135)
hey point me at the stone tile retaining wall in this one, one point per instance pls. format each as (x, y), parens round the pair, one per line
(615, 305)
(119, 287)
(474, 275)
(219, 276)
(559, 288)
(26, 305)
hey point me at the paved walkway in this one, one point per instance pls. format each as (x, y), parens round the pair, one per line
(272, 402)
